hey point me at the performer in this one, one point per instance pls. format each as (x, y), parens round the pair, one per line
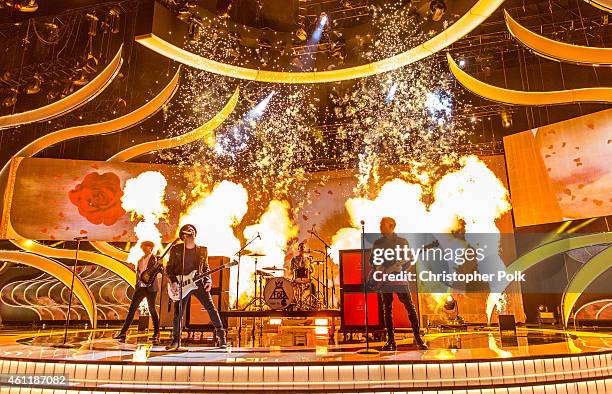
(301, 260)
(143, 291)
(195, 258)
(390, 240)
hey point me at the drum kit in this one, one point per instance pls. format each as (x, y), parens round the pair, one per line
(305, 289)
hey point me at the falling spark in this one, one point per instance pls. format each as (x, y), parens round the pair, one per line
(391, 93)
(143, 196)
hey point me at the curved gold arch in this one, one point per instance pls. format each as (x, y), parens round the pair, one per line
(470, 20)
(109, 250)
(122, 270)
(199, 133)
(518, 97)
(556, 50)
(542, 252)
(68, 103)
(583, 278)
(60, 272)
(605, 5)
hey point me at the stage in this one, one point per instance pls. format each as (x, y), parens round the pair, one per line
(536, 360)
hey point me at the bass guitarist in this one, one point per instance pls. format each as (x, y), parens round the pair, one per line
(185, 258)
(143, 290)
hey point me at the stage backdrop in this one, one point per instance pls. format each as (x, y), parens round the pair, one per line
(561, 171)
(45, 199)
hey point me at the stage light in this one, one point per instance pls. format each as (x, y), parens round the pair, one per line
(93, 25)
(34, 86)
(276, 322)
(301, 34)
(473, 119)
(461, 63)
(318, 31)
(450, 304)
(391, 93)
(437, 8)
(506, 118)
(194, 32)
(321, 327)
(82, 80)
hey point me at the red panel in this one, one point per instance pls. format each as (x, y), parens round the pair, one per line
(353, 309)
(351, 267)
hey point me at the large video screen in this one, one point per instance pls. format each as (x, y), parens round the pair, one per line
(561, 171)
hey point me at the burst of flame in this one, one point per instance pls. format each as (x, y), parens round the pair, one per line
(276, 229)
(472, 194)
(143, 196)
(215, 215)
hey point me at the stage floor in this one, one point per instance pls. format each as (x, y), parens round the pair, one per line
(535, 357)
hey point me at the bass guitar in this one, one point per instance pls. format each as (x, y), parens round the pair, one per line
(148, 276)
(189, 282)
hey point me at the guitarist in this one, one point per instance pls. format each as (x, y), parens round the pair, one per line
(390, 240)
(185, 258)
(142, 291)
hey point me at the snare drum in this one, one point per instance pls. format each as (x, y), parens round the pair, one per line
(279, 293)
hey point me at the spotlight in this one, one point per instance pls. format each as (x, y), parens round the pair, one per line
(318, 31)
(93, 25)
(450, 304)
(34, 86)
(506, 118)
(461, 63)
(391, 93)
(437, 9)
(113, 20)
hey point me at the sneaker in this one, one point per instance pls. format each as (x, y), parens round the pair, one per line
(173, 346)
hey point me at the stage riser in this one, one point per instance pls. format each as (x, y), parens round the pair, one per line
(430, 375)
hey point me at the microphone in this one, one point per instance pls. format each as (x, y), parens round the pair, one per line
(80, 238)
(362, 222)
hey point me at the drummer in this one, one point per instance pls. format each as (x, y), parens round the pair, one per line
(301, 260)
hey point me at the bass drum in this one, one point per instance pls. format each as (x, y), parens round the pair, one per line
(279, 293)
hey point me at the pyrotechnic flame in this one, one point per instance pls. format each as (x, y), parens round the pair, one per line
(215, 215)
(143, 196)
(276, 229)
(472, 194)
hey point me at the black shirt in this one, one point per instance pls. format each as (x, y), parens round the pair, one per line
(195, 259)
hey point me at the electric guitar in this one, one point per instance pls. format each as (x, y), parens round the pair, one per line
(149, 275)
(189, 282)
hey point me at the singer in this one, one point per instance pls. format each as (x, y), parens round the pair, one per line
(185, 258)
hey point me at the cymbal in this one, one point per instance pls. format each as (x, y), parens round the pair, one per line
(254, 254)
(273, 268)
(263, 273)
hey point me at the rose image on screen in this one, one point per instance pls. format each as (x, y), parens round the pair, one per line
(98, 198)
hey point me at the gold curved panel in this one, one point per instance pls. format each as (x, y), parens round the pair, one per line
(60, 272)
(583, 278)
(474, 17)
(201, 132)
(123, 271)
(556, 50)
(543, 252)
(109, 250)
(68, 103)
(518, 97)
(605, 5)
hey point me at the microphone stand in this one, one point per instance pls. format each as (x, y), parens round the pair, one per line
(180, 303)
(239, 254)
(325, 277)
(367, 350)
(76, 262)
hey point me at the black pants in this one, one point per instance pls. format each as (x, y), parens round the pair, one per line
(404, 296)
(140, 293)
(205, 298)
